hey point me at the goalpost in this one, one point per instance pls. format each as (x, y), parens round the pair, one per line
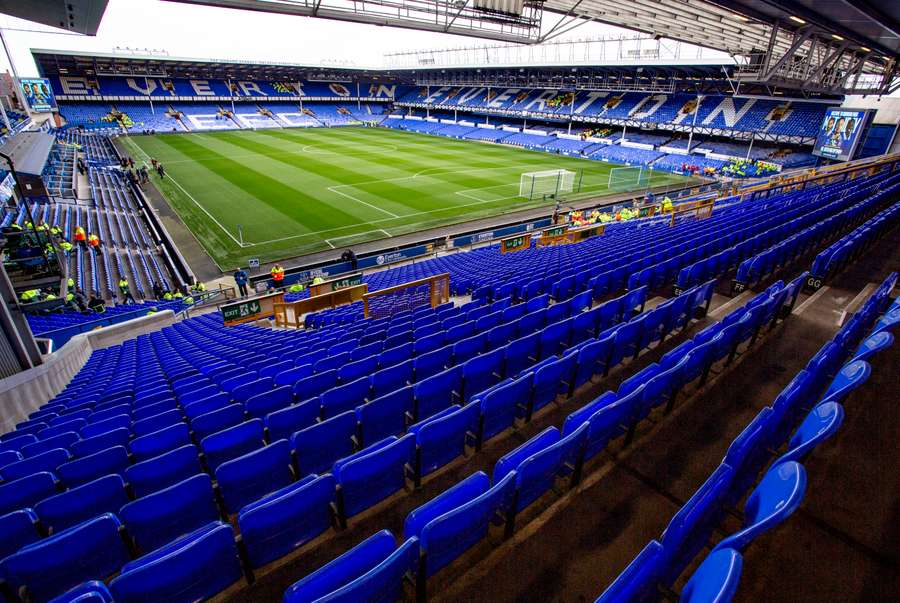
(549, 183)
(628, 178)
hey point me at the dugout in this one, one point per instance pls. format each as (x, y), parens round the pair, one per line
(29, 152)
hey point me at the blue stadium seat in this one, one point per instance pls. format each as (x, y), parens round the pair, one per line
(481, 372)
(358, 369)
(286, 519)
(386, 416)
(502, 405)
(19, 528)
(92, 550)
(344, 397)
(282, 424)
(197, 566)
(63, 440)
(206, 405)
(160, 442)
(255, 474)
(432, 362)
(637, 582)
(438, 392)
(391, 378)
(217, 420)
(260, 405)
(777, 496)
(164, 470)
(457, 519)
(104, 495)
(88, 592)
(551, 380)
(443, 439)
(26, 491)
(319, 446)
(821, 423)
(372, 474)
(46, 461)
(167, 514)
(716, 580)
(372, 570)
(850, 377)
(232, 442)
(112, 461)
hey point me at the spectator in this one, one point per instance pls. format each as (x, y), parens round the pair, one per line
(81, 237)
(158, 291)
(94, 243)
(277, 273)
(96, 304)
(125, 291)
(240, 279)
(160, 170)
(349, 256)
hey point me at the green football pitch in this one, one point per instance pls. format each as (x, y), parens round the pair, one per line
(274, 194)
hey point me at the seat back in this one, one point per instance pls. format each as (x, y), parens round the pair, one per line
(197, 566)
(368, 478)
(112, 461)
(232, 442)
(104, 495)
(286, 519)
(51, 566)
(164, 470)
(373, 570)
(253, 475)
(163, 516)
(318, 446)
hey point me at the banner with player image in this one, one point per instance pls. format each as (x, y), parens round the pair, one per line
(38, 94)
(840, 133)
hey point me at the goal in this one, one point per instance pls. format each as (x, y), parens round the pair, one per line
(628, 178)
(549, 183)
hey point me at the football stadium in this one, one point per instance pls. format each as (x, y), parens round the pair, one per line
(425, 301)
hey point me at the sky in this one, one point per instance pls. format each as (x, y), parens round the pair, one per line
(195, 31)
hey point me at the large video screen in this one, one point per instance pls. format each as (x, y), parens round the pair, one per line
(38, 94)
(839, 133)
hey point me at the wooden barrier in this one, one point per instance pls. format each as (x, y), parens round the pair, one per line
(438, 291)
(344, 282)
(251, 309)
(703, 209)
(554, 235)
(289, 314)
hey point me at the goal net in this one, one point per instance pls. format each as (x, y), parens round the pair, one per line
(549, 183)
(628, 178)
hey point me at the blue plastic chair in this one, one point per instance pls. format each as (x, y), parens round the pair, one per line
(454, 521)
(320, 445)
(51, 566)
(104, 495)
(197, 566)
(373, 571)
(873, 344)
(777, 496)
(286, 519)
(637, 582)
(163, 471)
(716, 580)
(850, 377)
(167, 514)
(26, 491)
(255, 474)
(232, 442)
(821, 423)
(372, 474)
(19, 529)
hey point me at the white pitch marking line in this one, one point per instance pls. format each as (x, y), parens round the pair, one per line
(197, 203)
(333, 189)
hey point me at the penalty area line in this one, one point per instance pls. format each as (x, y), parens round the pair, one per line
(197, 203)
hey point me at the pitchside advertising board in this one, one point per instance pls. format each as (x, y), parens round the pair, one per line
(38, 94)
(839, 133)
